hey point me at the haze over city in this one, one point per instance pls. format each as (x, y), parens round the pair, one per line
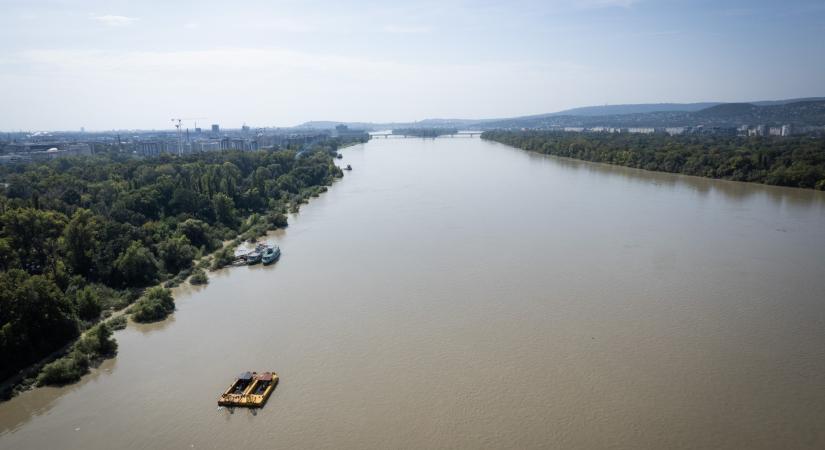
(101, 65)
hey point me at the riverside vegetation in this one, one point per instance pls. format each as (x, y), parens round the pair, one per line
(797, 161)
(82, 238)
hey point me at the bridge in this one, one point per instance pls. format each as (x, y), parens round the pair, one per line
(387, 135)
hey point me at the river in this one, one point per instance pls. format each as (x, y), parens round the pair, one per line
(457, 293)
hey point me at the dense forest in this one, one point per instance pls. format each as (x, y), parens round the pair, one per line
(82, 237)
(783, 161)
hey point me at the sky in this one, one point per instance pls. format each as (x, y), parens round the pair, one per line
(66, 64)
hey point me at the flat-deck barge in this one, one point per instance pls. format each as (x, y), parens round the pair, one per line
(250, 389)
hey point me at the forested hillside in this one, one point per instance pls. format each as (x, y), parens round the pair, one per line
(81, 237)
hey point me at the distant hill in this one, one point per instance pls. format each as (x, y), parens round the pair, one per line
(804, 111)
(727, 115)
(608, 110)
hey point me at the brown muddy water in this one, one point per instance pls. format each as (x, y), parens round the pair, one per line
(456, 293)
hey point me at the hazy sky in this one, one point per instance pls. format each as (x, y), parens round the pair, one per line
(135, 64)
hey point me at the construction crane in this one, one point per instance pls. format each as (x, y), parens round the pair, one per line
(178, 126)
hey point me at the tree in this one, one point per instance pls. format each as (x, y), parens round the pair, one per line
(176, 254)
(137, 266)
(198, 233)
(225, 209)
(88, 304)
(35, 319)
(33, 233)
(79, 243)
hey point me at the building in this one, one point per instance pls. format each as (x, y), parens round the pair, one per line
(216, 129)
(343, 130)
(207, 146)
(149, 148)
(78, 148)
(787, 130)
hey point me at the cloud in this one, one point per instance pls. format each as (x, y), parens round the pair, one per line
(115, 21)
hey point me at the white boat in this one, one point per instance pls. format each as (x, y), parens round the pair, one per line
(271, 254)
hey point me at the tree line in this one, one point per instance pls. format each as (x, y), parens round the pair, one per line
(81, 237)
(424, 132)
(784, 161)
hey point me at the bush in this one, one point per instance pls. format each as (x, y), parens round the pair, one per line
(277, 220)
(199, 277)
(94, 346)
(64, 370)
(155, 305)
(223, 258)
(118, 323)
(97, 342)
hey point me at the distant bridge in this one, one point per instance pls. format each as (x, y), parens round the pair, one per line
(387, 135)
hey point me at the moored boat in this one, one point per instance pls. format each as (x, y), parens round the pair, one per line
(271, 254)
(254, 257)
(349, 167)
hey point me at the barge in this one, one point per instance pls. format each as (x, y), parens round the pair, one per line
(250, 389)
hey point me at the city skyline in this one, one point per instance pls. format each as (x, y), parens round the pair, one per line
(114, 65)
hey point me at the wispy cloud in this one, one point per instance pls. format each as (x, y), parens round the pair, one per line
(115, 21)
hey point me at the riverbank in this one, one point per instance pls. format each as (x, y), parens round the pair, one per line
(71, 362)
(796, 161)
(104, 254)
(623, 287)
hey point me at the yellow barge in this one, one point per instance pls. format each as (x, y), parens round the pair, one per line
(250, 389)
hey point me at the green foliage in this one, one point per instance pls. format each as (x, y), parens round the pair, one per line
(36, 319)
(79, 242)
(223, 258)
(277, 220)
(96, 345)
(155, 305)
(225, 209)
(199, 233)
(78, 235)
(118, 323)
(199, 277)
(137, 266)
(176, 254)
(784, 161)
(88, 304)
(64, 370)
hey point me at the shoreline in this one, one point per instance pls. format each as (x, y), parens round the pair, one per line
(606, 163)
(26, 379)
